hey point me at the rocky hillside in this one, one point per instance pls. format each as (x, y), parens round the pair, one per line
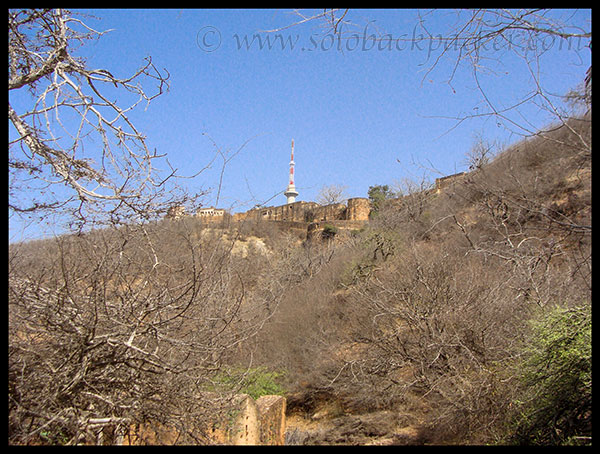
(416, 330)
(424, 327)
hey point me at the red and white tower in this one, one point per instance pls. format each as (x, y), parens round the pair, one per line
(291, 192)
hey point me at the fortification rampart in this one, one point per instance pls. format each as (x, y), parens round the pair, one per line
(303, 213)
(443, 182)
(296, 215)
(357, 209)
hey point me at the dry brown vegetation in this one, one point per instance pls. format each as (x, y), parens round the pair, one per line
(456, 316)
(406, 332)
(122, 326)
(427, 312)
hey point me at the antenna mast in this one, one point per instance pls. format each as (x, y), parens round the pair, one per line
(291, 192)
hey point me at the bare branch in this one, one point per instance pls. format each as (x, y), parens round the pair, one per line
(75, 136)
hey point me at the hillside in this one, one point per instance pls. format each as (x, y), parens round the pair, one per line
(415, 330)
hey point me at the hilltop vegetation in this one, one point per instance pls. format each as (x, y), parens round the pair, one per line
(428, 313)
(455, 316)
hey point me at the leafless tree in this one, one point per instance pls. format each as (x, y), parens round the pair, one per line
(125, 326)
(72, 146)
(482, 39)
(333, 193)
(488, 42)
(481, 152)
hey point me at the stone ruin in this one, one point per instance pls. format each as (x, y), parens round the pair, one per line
(254, 422)
(444, 182)
(357, 209)
(309, 216)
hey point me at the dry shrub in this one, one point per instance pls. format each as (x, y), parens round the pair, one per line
(442, 316)
(122, 326)
(299, 337)
(421, 312)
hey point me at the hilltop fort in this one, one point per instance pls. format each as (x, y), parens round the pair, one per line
(309, 216)
(350, 215)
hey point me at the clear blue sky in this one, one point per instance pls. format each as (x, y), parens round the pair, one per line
(360, 115)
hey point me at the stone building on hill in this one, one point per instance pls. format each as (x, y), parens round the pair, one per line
(211, 214)
(357, 209)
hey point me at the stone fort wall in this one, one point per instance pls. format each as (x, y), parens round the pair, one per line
(357, 209)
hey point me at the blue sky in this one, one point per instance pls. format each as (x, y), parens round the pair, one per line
(360, 115)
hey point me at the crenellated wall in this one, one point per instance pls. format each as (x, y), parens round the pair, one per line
(356, 209)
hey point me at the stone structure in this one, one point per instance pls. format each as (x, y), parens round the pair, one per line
(358, 209)
(175, 212)
(260, 422)
(443, 182)
(210, 212)
(271, 411)
(245, 429)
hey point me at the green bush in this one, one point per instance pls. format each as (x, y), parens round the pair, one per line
(255, 382)
(556, 374)
(329, 231)
(378, 194)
